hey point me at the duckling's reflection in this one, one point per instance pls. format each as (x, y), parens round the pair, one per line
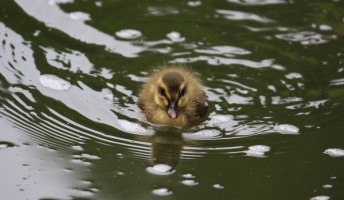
(166, 148)
(166, 151)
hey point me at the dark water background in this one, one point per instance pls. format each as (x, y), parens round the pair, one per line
(70, 73)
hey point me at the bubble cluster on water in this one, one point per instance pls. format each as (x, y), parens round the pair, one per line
(304, 37)
(162, 191)
(286, 129)
(257, 150)
(119, 155)
(189, 180)
(207, 133)
(293, 75)
(54, 82)
(160, 169)
(128, 34)
(131, 127)
(334, 152)
(219, 119)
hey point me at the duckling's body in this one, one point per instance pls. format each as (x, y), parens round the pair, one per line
(173, 96)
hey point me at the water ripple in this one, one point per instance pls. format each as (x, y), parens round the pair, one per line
(257, 2)
(69, 81)
(236, 15)
(51, 16)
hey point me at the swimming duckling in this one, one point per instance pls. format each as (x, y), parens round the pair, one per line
(173, 96)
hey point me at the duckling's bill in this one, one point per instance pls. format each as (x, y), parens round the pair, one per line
(172, 110)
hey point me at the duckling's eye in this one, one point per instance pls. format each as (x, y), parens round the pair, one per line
(182, 92)
(161, 91)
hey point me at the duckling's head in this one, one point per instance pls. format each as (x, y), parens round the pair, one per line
(171, 92)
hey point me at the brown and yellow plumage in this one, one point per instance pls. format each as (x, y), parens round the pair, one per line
(173, 96)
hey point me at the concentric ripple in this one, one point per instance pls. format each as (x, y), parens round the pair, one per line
(109, 115)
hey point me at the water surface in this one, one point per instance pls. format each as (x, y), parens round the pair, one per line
(70, 76)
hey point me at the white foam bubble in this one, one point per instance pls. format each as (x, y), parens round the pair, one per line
(286, 129)
(99, 3)
(293, 75)
(128, 34)
(320, 198)
(194, 3)
(257, 150)
(325, 27)
(175, 37)
(334, 152)
(131, 127)
(36, 33)
(160, 169)
(162, 191)
(218, 186)
(53, 82)
(190, 182)
(77, 148)
(188, 176)
(120, 173)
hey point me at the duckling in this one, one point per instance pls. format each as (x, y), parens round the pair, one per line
(173, 96)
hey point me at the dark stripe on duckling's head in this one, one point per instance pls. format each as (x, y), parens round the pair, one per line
(173, 80)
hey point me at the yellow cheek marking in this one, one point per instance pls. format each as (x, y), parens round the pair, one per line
(181, 102)
(165, 101)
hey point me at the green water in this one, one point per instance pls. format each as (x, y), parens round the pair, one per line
(70, 74)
